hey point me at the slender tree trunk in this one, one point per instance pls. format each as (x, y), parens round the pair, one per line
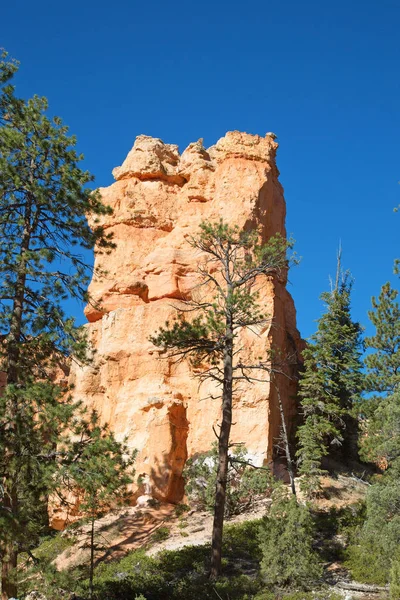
(91, 560)
(285, 439)
(223, 448)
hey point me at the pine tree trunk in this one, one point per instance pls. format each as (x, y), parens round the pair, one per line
(91, 560)
(8, 587)
(223, 448)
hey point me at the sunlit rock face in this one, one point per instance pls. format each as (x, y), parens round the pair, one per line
(159, 199)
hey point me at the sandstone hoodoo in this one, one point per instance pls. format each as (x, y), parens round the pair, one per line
(159, 199)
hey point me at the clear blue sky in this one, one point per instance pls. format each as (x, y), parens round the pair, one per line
(323, 75)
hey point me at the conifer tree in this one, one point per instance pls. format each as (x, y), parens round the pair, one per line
(207, 330)
(383, 365)
(381, 410)
(28, 465)
(379, 537)
(44, 204)
(97, 468)
(330, 385)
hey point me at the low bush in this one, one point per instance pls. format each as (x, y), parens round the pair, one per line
(395, 580)
(286, 542)
(322, 594)
(160, 534)
(375, 545)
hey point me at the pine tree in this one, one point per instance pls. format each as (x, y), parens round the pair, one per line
(28, 465)
(97, 468)
(44, 204)
(330, 385)
(383, 365)
(380, 535)
(381, 410)
(207, 331)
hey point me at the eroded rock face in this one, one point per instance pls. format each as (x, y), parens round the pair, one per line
(159, 199)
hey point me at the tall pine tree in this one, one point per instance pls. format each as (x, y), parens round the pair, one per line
(44, 204)
(330, 385)
(207, 332)
(381, 410)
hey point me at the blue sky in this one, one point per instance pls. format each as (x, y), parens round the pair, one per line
(323, 75)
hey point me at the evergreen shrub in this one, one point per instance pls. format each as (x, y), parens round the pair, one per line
(286, 540)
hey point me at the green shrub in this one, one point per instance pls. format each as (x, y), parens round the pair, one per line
(286, 538)
(316, 595)
(329, 524)
(395, 580)
(181, 509)
(370, 555)
(53, 545)
(182, 573)
(367, 563)
(160, 534)
(245, 482)
(265, 596)
(319, 595)
(241, 541)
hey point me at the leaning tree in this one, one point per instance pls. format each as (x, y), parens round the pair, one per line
(226, 301)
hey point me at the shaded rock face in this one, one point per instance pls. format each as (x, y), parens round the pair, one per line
(159, 199)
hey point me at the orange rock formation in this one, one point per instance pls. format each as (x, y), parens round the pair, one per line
(159, 198)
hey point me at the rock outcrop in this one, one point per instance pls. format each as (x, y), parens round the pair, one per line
(159, 198)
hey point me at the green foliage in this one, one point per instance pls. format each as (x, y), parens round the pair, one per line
(395, 580)
(323, 594)
(344, 520)
(202, 337)
(373, 555)
(241, 541)
(41, 575)
(97, 466)
(98, 469)
(53, 545)
(226, 301)
(381, 410)
(244, 484)
(29, 459)
(381, 440)
(383, 364)
(8, 67)
(286, 537)
(330, 386)
(171, 574)
(335, 528)
(181, 509)
(161, 534)
(44, 206)
(375, 547)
